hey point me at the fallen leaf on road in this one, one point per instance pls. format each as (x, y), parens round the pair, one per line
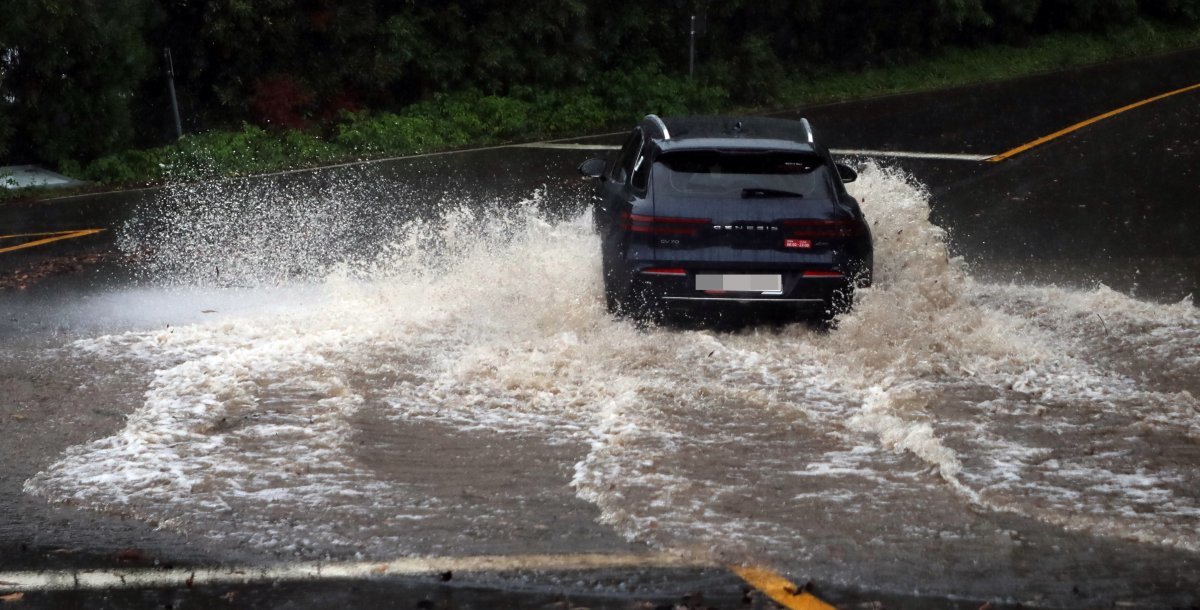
(21, 279)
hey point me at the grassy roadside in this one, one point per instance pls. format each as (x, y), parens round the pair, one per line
(956, 66)
(467, 119)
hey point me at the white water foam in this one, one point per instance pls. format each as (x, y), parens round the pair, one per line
(936, 397)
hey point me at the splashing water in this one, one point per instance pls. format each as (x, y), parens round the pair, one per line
(936, 400)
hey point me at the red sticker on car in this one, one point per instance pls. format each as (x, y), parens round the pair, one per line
(797, 243)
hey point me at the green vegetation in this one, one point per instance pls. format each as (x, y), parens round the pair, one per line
(955, 66)
(291, 83)
(67, 73)
(473, 119)
(444, 122)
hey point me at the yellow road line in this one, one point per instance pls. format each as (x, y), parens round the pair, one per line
(15, 235)
(1062, 132)
(779, 589)
(54, 237)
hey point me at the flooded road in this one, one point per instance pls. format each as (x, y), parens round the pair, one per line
(362, 366)
(435, 398)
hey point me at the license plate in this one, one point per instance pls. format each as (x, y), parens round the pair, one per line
(728, 282)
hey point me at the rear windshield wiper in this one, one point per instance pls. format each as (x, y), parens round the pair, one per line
(750, 193)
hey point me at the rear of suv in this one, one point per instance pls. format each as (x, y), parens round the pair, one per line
(728, 212)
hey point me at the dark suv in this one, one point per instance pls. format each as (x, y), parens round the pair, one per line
(728, 212)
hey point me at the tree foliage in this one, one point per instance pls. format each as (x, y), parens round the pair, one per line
(82, 78)
(69, 74)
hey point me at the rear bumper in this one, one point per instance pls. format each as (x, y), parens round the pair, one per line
(802, 288)
(743, 299)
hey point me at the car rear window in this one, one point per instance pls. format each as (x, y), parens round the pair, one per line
(730, 174)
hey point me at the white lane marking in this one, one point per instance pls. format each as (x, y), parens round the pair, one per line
(549, 144)
(131, 578)
(837, 151)
(909, 155)
(301, 170)
(566, 146)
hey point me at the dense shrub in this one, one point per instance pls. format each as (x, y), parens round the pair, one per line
(385, 133)
(445, 121)
(69, 75)
(282, 102)
(6, 126)
(1088, 14)
(1181, 10)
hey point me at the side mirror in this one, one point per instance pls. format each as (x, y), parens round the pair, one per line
(592, 168)
(846, 173)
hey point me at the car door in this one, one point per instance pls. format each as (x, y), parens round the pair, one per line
(615, 194)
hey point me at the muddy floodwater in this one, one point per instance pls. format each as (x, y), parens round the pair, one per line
(457, 387)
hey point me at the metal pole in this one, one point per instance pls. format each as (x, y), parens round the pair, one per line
(171, 88)
(692, 49)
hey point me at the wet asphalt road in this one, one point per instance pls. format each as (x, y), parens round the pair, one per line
(1117, 203)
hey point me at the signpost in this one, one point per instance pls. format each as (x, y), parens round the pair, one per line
(171, 89)
(696, 28)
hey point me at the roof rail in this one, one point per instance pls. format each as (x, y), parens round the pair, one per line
(653, 118)
(807, 130)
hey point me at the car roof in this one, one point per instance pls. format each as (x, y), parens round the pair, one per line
(741, 132)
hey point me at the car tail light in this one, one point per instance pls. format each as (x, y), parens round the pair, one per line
(662, 225)
(822, 274)
(664, 271)
(817, 229)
